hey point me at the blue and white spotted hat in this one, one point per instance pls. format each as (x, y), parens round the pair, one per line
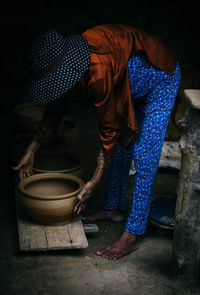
(55, 64)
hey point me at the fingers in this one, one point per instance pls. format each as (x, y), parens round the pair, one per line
(20, 165)
(83, 196)
(82, 193)
(16, 168)
(26, 160)
(78, 206)
(24, 173)
(81, 204)
(25, 165)
(81, 208)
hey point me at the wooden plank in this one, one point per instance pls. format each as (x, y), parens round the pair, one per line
(31, 236)
(69, 236)
(36, 237)
(90, 228)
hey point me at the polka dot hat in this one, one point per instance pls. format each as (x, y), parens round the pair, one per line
(55, 65)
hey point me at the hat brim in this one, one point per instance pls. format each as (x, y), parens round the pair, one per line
(52, 87)
(64, 78)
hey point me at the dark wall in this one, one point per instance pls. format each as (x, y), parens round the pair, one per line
(175, 21)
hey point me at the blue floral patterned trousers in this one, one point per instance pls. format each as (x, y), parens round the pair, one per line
(154, 93)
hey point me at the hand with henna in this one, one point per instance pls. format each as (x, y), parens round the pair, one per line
(25, 165)
(90, 186)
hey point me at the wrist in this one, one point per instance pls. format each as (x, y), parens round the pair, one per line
(101, 160)
(98, 174)
(33, 147)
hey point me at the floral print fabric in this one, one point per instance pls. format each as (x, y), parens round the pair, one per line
(154, 93)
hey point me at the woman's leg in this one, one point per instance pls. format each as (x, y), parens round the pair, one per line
(115, 189)
(147, 151)
(116, 179)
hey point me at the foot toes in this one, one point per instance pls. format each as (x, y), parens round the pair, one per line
(103, 252)
(106, 255)
(100, 252)
(116, 251)
(107, 252)
(116, 256)
(112, 254)
(109, 256)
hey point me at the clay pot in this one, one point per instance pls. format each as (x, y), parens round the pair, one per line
(28, 117)
(66, 163)
(49, 198)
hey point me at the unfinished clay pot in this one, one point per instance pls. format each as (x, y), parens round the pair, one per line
(66, 163)
(49, 198)
(28, 117)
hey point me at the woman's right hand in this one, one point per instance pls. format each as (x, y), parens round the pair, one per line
(25, 165)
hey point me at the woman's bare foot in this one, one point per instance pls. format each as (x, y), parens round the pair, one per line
(125, 245)
(113, 215)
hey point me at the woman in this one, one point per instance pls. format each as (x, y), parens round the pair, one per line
(131, 78)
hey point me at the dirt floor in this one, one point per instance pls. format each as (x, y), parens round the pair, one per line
(70, 272)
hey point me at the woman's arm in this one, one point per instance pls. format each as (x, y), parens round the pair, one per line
(25, 165)
(51, 119)
(102, 98)
(90, 186)
(47, 127)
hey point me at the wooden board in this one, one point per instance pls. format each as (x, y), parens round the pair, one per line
(35, 237)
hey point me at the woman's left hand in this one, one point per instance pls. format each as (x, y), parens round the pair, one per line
(85, 194)
(90, 186)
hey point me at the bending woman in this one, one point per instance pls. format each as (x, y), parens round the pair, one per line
(131, 78)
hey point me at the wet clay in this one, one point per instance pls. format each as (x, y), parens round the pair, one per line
(51, 187)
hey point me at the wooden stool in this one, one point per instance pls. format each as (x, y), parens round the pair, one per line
(186, 244)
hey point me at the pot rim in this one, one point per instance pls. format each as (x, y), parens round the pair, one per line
(54, 175)
(82, 163)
